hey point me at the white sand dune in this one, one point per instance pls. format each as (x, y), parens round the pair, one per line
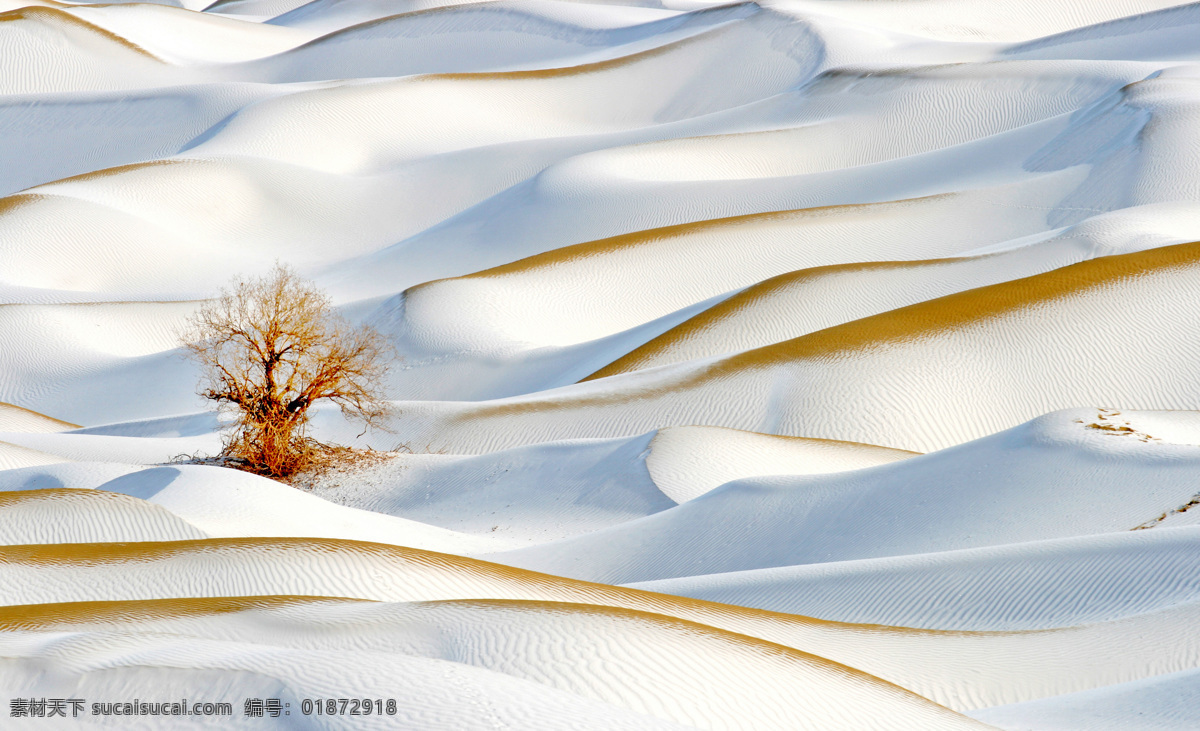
(1008, 667)
(482, 336)
(689, 461)
(1154, 35)
(238, 504)
(544, 212)
(979, 20)
(75, 133)
(75, 476)
(532, 494)
(1029, 477)
(150, 441)
(47, 50)
(929, 365)
(548, 491)
(547, 211)
(209, 501)
(160, 208)
(502, 35)
(335, 14)
(619, 659)
(537, 304)
(802, 302)
(13, 456)
(461, 312)
(428, 692)
(425, 116)
(17, 419)
(864, 333)
(1163, 702)
(185, 38)
(1025, 586)
(524, 495)
(86, 516)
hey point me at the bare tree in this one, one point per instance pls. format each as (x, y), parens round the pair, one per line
(271, 347)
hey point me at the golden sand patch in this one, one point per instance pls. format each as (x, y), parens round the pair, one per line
(24, 413)
(54, 16)
(745, 300)
(101, 615)
(65, 615)
(906, 324)
(636, 239)
(555, 589)
(580, 70)
(117, 170)
(10, 203)
(961, 309)
(61, 494)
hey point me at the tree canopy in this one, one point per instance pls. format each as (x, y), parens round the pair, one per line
(270, 348)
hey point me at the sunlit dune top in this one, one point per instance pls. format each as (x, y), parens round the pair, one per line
(54, 16)
(964, 308)
(428, 576)
(18, 419)
(904, 325)
(657, 350)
